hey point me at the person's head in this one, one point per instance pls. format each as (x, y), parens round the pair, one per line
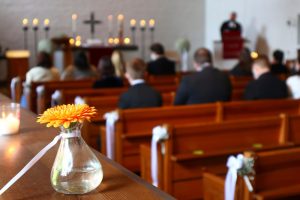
(278, 56)
(135, 70)
(233, 16)
(157, 50)
(81, 61)
(44, 60)
(260, 66)
(245, 56)
(202, 57)
(106, 67)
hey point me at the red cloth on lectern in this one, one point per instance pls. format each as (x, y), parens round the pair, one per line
(233, 44)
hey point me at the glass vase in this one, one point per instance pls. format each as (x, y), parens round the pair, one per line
(76, 170)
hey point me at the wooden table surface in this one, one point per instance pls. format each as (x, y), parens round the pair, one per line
(17, 150)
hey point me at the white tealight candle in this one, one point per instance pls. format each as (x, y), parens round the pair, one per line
(9, 125)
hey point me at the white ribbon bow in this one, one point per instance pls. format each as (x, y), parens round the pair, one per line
(36, 158)
(79, 100)
(158, 133)
(111, 119)
(56, 98)
(233, 164)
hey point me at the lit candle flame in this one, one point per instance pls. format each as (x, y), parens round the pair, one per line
(35, 22)
(143, 23)
(46, 22)
(151, 23)
(120, 17)
(74, 17)
(25, 22)
(110, 40)
(132, 22)
(72, 41)
(254, 55)
(116, 41)
(127, 40)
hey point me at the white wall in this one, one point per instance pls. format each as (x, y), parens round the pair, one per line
(264, 23)
(175, 18)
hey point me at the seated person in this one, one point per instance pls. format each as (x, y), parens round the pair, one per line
(81, 68)
(231, 24)
(278, 67)
(207, 85)
(139, 95)
(293, 83)
(160, 65)
(44, 71)
(243, 67)
(265, 85)
(107, 73)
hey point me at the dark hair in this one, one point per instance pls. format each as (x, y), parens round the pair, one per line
(105, 67)
(157, 48)
(81, 61)
(245, 59)
(136, 69)
(278, 56)
(44, 60)
(202, 56)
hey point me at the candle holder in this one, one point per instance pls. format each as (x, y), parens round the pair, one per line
(142, 28)
(10, 118)
(35, 30)
(46, 28)
(152, 34)
(133, 28)
(25, 30)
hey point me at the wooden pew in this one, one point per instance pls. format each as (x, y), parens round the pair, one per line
(163, 80)
(138, 123)
(276, 177)
(192, 148)
(253, 109)
(134, 127)
(31, 95)
(106, 104)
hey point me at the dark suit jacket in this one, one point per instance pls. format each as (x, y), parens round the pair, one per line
(239, 70)
(267, 86)
(279, 69)
(226, 27)
(161, 66)
(108, 82)
(209, 85)
(140, 96)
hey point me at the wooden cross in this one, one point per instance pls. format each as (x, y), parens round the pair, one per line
(93, 22)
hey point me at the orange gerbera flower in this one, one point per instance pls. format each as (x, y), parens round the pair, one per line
(65, 115)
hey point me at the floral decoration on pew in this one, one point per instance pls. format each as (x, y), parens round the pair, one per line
(242, 166)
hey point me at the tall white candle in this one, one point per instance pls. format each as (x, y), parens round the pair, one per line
(9, 125)
(74, 24)
(121, 22)
(110, 24)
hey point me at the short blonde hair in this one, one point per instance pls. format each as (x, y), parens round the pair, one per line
(262, 61)
(136, 69)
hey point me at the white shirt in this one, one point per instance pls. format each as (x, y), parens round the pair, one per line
(41, 74)
(137, 81)
(293, 84)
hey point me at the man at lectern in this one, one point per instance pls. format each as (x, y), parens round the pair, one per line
(231, 25)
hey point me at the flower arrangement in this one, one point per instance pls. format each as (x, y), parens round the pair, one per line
(182, 45)
(247, 167)
(67, 116)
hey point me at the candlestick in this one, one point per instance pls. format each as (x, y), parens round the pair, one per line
(110, 25)
(74, 25)
(152, 27)
(133, 28)
(121, 28)
(25, 23)
(46, 27)
(143, 28)
(35, 27)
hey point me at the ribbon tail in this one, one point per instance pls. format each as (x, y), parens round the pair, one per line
(30, 164)
(154, 174)
(248, 183)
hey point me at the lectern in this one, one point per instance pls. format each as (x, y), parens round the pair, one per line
(17, 63)
(233, 43)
